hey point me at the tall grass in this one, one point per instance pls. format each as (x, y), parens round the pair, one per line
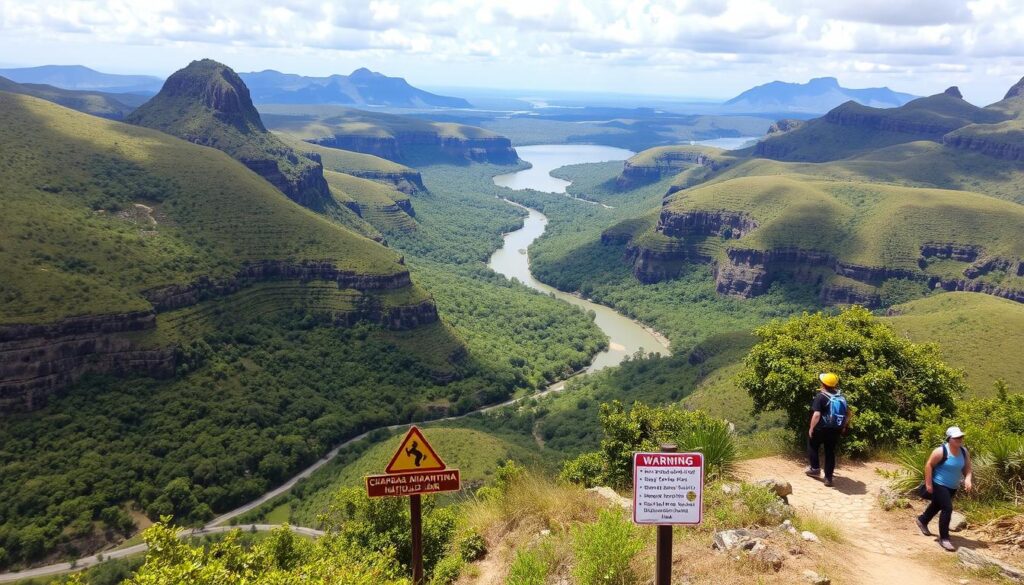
(605, 550)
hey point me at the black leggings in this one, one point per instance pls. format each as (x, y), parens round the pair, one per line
(942, 504)
(828, 438)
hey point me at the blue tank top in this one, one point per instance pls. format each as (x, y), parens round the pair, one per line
(949, 473)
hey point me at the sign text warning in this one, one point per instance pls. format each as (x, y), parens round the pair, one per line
(668, 488)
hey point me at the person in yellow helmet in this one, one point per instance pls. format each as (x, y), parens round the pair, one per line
(829, 420)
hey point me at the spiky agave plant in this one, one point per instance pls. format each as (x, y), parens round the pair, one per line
(911, 472)
(716, 443)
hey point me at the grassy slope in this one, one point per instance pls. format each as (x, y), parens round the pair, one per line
(474, 453)
(97, 103)
(376, 201)
(344, 161)
(979, 333)
(312, 122)
(64, 250)
(863, 223)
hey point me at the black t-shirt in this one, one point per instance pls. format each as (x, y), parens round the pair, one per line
(820, 404)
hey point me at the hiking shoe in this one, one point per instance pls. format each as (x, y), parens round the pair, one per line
(947, 545)
(828, 482)
(813, 472)
(922, 527)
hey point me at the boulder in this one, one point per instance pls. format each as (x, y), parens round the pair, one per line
(809, 536)
(767, 556)
(730, 488)
(741, 539)
(782, 488)
(890, 499)
(977, 560)
(816, 579)
(612, 497)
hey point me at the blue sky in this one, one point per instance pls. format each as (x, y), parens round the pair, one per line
(681, 48)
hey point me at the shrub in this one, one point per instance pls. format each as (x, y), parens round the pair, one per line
(587, 470)
(605, 550)
(447, 570)
(528, 568)
(886, 378)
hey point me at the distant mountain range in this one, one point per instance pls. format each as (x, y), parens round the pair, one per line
(362, 87)
(82, 78)
(106, 105)
(817, 96)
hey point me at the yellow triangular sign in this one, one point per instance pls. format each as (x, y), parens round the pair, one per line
(415, 454)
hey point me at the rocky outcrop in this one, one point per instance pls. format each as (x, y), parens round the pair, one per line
(852, 114)
(962, 253)
(307, 187)
(701, 223)
(650, 266)
(408, 182)
(1016, 91)
(175, 296)
(989, 145)
(953, 91)
(784, 125)
(38, 361)
(667, 163)
(406, 206)
(963, 284)
(495, 149)
(837, 294)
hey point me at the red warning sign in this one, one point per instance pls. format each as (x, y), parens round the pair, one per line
(415, 455)
(408, 484)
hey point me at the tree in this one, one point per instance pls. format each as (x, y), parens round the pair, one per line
(885, 377)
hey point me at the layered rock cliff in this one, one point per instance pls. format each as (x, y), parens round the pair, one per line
(650, 166)
(1007, 146)
(405, 145)
(39, 361)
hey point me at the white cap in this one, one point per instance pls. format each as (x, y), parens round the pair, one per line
(954, 432)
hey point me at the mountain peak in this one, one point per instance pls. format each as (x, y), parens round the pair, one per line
(824, 82)
(1016, 91)
(363, 72)
(217, 87)
(953, 91)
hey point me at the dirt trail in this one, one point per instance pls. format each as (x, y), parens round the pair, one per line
(886, 546)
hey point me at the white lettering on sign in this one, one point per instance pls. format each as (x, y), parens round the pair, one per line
(668, 488)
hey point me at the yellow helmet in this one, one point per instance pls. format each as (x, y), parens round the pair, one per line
(829, 379)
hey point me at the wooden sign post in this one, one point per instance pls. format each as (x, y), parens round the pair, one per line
(668, 489)
(414, 469)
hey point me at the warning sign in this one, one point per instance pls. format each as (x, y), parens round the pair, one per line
(415, 454)
(668, 488)
(408, 484)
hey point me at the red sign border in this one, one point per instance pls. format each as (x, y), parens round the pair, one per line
(700, 518)
(366, 482)
(414, 430)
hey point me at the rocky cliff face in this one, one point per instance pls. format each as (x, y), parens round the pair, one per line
(39, 361)
(497, 150)
(1016, 91)
(784, 125)
(668, 163)
(989, 145)
(861, 117)
(699, 223)
(408, 182)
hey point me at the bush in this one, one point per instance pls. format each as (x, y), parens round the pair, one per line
(528, 568)
(886, 378)
(605, 550)
(447, 570)
(644, 428)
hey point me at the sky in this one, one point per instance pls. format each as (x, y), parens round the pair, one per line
(677, 48)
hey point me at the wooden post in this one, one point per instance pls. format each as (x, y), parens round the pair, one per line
(416, 518)
(663, 562)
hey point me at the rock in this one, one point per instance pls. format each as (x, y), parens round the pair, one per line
(730, 489)
(612, 497)
(1016, 91)
(809, 536)
(958, 522)
(890, 499)
(767, 556)
(953, 91)
(545, 532)
(741, 538)
(781, 487)
(976, 560)
(816, 579)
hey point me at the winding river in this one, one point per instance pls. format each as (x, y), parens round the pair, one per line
(625, 335)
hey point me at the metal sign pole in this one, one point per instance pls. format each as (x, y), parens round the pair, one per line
(663, 563)
(415, 516)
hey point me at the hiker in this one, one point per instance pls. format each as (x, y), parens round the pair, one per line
(946, 466)
(829, 420)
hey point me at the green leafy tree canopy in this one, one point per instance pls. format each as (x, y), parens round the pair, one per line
(886, 378)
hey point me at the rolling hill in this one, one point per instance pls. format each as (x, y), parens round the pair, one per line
(815, 97)
(361, 87)
(396, 138)
(207, 103)
(105, 105)
(358, 164)
(108, 226)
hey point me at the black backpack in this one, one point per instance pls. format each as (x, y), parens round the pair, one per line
(922, 491)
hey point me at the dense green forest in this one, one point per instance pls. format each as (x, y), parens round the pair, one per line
(261, 398)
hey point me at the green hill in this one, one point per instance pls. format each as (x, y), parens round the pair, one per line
(358, 164)
(99, 214)
(207, 103)
(396, 138)
(383, 207)
(979, 333)
(97, 103)
(852, 129)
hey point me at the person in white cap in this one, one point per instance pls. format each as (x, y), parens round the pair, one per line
(946, 466)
